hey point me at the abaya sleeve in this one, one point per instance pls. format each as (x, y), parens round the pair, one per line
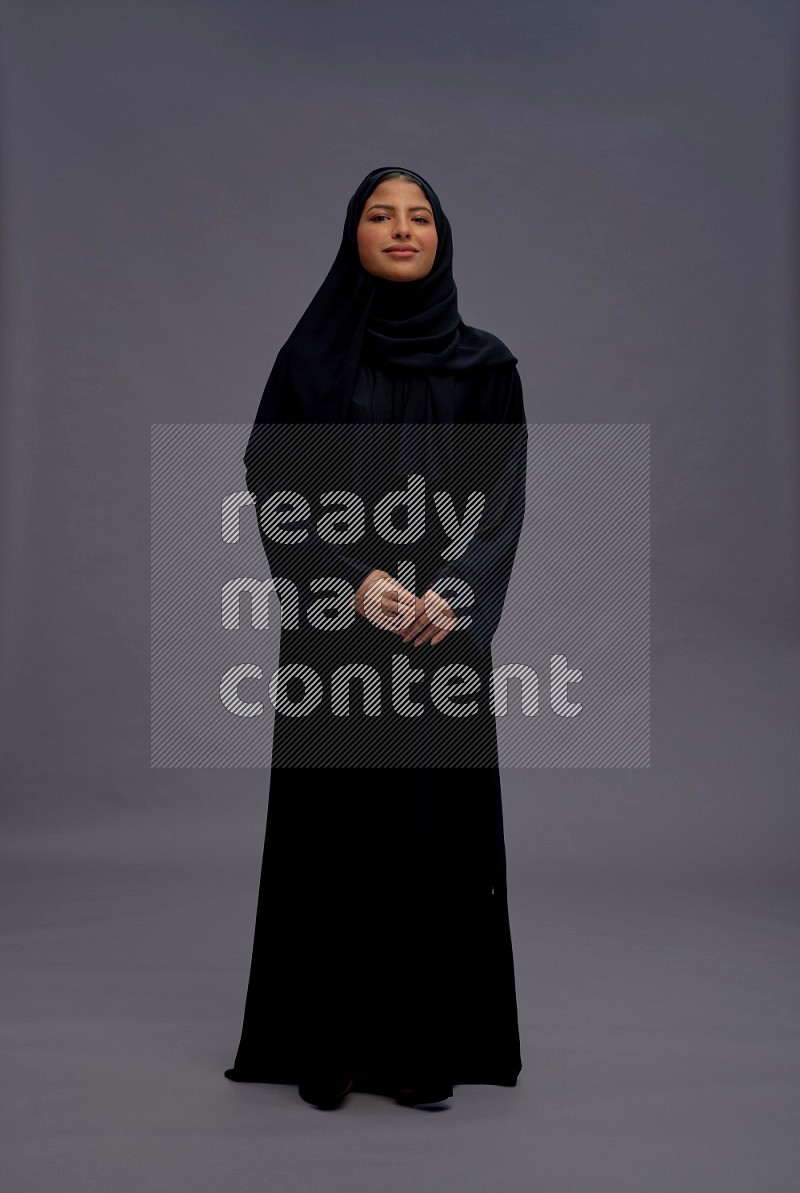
(288, 456)
(487, 562)
(312, 556)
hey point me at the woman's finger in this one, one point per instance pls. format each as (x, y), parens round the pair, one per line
(419, 624)
(426, 635)
(442, 634)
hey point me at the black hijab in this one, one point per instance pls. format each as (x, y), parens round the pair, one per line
(413, 325)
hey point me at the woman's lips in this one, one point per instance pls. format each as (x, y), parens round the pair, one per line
(401, 252)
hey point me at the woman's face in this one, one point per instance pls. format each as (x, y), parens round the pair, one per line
(396, 234)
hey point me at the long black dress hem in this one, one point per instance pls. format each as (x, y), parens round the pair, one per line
(368, 1084)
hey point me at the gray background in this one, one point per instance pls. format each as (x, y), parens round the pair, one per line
(621, 180)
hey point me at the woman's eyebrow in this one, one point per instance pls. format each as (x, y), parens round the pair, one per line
(389, 207)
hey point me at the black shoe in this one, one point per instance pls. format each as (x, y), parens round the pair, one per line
(427, 1094)
(326, 1093)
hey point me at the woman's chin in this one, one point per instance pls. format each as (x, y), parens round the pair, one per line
(399, 271)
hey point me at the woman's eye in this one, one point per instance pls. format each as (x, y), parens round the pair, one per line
(382, 216)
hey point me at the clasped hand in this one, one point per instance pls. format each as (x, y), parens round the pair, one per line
(388, 604)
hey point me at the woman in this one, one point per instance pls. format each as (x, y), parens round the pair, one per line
(382, 955)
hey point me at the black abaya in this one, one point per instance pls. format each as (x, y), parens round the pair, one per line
(382, 943)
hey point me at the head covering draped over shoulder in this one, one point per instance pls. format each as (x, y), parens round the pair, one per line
(414, 325)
